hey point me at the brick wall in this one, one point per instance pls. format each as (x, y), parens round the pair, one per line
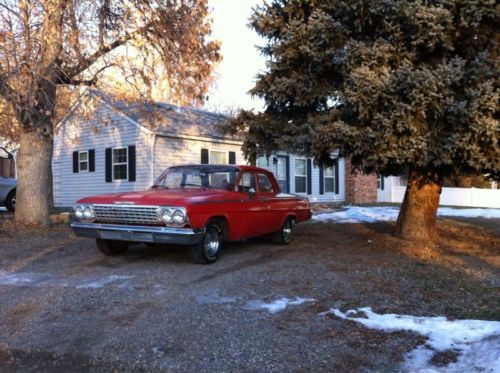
(360, 188)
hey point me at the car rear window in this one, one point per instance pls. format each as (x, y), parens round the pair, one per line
(265, 185)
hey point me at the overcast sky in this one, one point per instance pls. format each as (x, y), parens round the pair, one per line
(241, 60)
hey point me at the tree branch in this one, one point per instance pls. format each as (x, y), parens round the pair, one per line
(73, 71)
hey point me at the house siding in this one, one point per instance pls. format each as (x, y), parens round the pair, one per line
(74, 134)
(174, 151)
(315, 195)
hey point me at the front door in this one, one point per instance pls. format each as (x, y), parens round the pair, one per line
(282, 167)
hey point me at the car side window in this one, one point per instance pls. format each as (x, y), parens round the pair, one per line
(265, 185)
(247, 182)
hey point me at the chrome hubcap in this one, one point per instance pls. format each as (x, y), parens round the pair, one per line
(287, 230)
(14, 201)
(211, 242)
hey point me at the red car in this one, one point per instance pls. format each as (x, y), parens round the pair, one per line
(196, 205)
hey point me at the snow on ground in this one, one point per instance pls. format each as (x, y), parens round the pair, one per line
(476, 342)
(357, 214)
(3, 209)
(276, 306)
(35, 279)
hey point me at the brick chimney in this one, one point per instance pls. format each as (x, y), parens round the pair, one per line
(359, 188)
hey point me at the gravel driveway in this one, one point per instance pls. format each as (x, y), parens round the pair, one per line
(66, 307)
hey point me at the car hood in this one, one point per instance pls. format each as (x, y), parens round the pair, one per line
(156, 197)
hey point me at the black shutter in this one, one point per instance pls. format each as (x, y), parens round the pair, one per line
(109, 165)
(308, 177)
(232, 158)
(91, 160)
(382, 182)
(75, 162)
(321, 178)
(336, 167)
(204, 156)
(131, 163)
(288, 174)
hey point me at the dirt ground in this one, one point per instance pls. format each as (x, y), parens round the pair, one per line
(65, 307)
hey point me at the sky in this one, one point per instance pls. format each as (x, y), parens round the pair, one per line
(235, 75)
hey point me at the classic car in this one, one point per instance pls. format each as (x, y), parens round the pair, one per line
(7, 183)
(199, 206)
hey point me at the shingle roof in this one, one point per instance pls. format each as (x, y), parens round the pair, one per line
(173, 120)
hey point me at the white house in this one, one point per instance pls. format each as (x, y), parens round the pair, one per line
(122, 148)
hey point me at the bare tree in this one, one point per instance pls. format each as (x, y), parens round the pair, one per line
(46, 44)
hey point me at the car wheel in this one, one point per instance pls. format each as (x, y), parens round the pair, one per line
(208, 250)
(284, 236)
(111, 248)
(10, 202)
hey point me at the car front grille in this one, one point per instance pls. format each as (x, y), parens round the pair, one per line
(126, 214)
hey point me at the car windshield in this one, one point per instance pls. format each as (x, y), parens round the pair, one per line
(203, 176)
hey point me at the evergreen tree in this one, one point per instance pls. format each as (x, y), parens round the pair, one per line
(395, 85)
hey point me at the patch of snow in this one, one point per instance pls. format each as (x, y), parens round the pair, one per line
(276, 306)
(99, 282)
(38, 279)
(214, 298)
(470, 213)
(358, 214)
(476, 342)
(3, 209)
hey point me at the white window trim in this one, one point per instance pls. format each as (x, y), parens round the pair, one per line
(295, 174)
(113, 164)
(80, 162)
(328, 177)
(226, 155)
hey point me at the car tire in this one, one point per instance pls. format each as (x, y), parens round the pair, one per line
(208, 250)
(284, 236)
(10, 201)
(111, 248)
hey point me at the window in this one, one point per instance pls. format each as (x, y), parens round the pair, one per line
(329, 179)
(380, 182)
(120, 163)
(247, 182)
(263, 162)
(265, 185)
(83, 161)
(217, 157)
(300, 175)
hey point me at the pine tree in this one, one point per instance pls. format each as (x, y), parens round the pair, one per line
(395, 85)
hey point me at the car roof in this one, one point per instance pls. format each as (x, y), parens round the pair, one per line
(224, 166)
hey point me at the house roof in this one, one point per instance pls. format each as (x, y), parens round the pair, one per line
(172, 120)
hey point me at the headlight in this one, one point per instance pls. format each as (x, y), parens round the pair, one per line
(88, 212)
(179, 216)
(84, 212)
(79, 212)
(172, 215)
(166, 216)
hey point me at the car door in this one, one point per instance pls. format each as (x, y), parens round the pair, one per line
(253, 205)
(273, 213)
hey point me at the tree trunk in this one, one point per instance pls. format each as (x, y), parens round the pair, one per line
(417, 217)
(33, 170)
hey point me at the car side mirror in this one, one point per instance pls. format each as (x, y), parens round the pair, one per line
(251, 192)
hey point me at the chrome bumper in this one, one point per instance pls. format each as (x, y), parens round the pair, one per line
(167, 235)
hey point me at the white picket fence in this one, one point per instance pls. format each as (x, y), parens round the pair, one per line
(469, 197)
